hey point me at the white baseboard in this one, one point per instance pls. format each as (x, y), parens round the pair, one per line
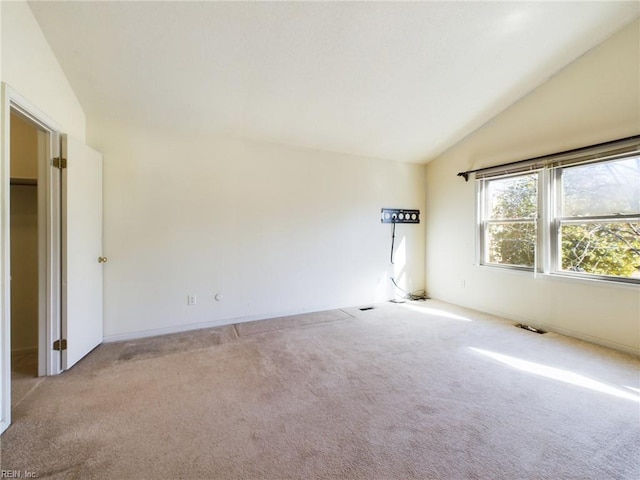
(596, 340)
(121, 337)
(197, 326)
(635, 351)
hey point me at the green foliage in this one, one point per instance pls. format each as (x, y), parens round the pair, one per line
(512, 199)
(601, 248)
(513, 244)
(596, 246)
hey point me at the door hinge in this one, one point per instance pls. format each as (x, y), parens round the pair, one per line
(59, 162)
(60, 345)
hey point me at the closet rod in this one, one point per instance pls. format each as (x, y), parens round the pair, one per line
(31, 182)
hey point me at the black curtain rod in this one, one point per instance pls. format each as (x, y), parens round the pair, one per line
(466, 174)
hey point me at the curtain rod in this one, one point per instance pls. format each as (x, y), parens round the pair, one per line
(466, 174)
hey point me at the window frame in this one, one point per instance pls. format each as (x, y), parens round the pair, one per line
(558, 220)
(549, 220)
(484, 221)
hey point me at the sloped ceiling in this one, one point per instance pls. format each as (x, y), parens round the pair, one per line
(401, 81)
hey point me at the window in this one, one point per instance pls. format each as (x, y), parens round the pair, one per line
(598, 218)
(574, 214)
(509, 226)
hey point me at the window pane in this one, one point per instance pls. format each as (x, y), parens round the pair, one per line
(512, 243)
(513, 197)
(601, 248)
(607, 188)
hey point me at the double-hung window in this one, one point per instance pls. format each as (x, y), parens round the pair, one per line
(571, 214)
(509, 225)
(597, 221)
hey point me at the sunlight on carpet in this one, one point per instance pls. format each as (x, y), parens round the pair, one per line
(558, 374)
(435, 311)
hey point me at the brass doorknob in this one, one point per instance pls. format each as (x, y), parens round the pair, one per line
(102, 259)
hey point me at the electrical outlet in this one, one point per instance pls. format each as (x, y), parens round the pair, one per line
(191, 300)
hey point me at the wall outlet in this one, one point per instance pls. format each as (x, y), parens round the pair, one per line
(191, 300)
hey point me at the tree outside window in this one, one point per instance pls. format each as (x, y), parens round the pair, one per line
(599, 218)
(594, 225)
(510, 228)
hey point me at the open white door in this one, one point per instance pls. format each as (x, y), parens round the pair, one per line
(82, 260)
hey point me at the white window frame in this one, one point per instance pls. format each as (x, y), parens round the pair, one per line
(484, 221)
(549, 220)
(558, 220)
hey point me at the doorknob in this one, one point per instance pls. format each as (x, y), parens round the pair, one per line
(102, 259)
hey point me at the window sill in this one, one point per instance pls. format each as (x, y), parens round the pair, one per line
(498, 269)
(559, 277)
(599, 282)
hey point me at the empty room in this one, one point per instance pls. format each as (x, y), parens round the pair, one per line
(338, 240)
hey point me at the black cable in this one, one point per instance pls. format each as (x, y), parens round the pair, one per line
(417, 295)
(393, 239)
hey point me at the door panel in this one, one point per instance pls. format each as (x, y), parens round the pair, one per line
(81, 249)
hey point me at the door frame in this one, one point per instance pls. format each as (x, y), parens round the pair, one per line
(49, 238)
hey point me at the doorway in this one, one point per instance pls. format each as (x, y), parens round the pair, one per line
(25, 155)
(26, 176)
(67, 290)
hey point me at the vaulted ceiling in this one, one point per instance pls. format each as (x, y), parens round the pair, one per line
(401, 81)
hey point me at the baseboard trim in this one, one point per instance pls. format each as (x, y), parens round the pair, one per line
(588, 338)
(123, 337)
(631, 350)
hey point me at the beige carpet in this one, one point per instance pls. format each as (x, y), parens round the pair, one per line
(24, 375)
(421, 390)
(253, 328)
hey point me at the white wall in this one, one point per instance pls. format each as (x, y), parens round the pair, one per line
(275, 229)
(28, 65)
(595, 99)
(32, 70)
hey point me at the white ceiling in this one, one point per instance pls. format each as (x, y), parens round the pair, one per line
(402, 81)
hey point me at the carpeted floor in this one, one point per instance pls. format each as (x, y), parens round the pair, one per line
(420, 390)
(24, 375)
